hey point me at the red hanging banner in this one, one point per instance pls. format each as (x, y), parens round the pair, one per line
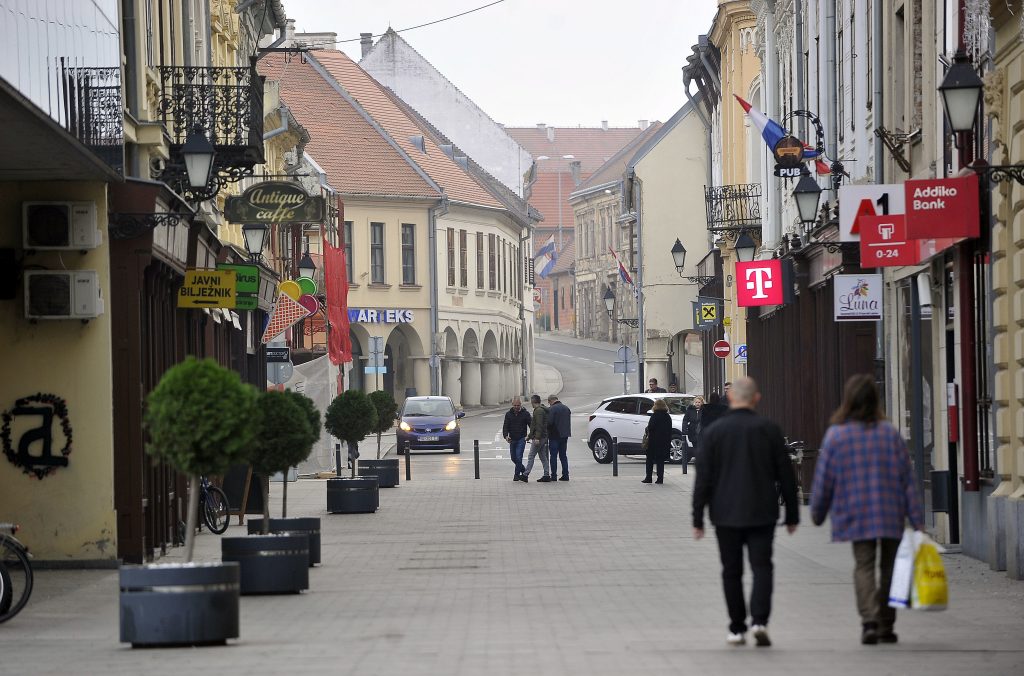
(339, 345)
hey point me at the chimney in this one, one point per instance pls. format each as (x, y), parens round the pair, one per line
(551, 134)
(644, 124)
(289, 31)
(366, 43)
(541, 126)
(604, 125)
(574, 167)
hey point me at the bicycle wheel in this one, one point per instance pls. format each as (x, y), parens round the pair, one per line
(215, 510)
(15, 578)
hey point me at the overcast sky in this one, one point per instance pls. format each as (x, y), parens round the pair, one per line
(561, 62)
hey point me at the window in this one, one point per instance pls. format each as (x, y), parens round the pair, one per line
(463, 259)
(376, 253)
(451, 256)
(492, 262)
(479, 260)
(408, 253)
(347, 234)
(624, 405)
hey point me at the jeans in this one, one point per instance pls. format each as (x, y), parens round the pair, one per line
(758, 540)
(537, 447)
(516, 448)
(558, 446)
(872, 599)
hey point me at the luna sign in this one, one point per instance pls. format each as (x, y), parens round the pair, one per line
(275, 202)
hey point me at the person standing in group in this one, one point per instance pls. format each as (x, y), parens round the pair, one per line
(691, 423)
(538, 440)
(725, 393)
(673, 388)
(741, 460)
(652, 386)
(559, 431)
(515, 428)
(864, 476)
(710, 412)
(659, 440)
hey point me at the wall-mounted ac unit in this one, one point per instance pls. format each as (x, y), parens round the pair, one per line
(62, 294)
(59, 226)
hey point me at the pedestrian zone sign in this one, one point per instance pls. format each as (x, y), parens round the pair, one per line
(741, 354)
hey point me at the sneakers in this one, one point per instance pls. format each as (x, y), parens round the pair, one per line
(761, 635)
(736, 639)
(544, 479)
(646, 481)
(565, 478)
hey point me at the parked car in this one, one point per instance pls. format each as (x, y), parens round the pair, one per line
(625, 417)
(429, 424)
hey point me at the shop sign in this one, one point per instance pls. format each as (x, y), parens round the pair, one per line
(32, 448)
(275, 202)
(357, 315)
(858, 298)
(942, 208)
(866, 200)
(789, 157)
(208, 289)
(759, 283)
(884, 242)
(247, 284)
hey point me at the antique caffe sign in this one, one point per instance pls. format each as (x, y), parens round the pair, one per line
(275, 202)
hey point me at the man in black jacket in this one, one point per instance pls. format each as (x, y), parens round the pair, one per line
(739, 462)
(517, 424)
(559, 431)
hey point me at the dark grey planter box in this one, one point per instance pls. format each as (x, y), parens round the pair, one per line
(175, 604)
(270, 564)
(306, 524)
(385, 469)
(352, 496)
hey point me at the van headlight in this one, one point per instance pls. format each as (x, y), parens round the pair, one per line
(404, 426)
(452, 425)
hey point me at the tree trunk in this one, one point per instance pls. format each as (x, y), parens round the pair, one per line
(265, 487)
(378, 445)
(284, 495)
(192, 516)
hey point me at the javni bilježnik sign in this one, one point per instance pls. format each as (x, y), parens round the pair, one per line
(275, 202)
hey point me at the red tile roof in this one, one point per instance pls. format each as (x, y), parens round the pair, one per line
(612, 170)
(592, 146)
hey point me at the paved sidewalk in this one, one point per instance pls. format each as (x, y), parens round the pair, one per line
(595, 576)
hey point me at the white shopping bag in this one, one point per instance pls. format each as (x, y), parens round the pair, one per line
(903, 570)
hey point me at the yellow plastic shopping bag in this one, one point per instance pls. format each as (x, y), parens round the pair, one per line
(929, 590)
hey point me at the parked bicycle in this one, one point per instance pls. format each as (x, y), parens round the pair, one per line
(794, 448)
(15, 573)
(213, 509)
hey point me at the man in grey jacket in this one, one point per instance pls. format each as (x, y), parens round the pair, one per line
(559, 431)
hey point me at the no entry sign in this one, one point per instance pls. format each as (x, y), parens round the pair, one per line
(722, 349)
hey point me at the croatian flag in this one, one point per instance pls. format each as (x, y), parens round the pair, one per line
(546, 257)
(772, 132)
(624, 274)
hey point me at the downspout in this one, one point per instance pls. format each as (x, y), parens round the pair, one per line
(830, 84)
(523, 370)
(877, 114)
(279, 130)
(640, 347)
(435, 361)
(772, 230)
(800, 93)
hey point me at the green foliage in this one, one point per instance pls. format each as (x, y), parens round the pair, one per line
(200, 417)
(351, 416)
(387, 409)
(283, 435)
(312, 414)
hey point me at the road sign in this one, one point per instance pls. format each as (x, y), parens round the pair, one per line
(708, 312)
(376, 344)
(741, 354)
(625, 353)
(376, 369)
(722, 349)
(279, 373)
(624, 366)
(278, 355)
(208, 288)
(376, 359)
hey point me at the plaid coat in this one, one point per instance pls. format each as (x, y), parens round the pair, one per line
(865, 478)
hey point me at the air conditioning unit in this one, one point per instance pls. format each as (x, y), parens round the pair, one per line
(62, 294)
(59, 226)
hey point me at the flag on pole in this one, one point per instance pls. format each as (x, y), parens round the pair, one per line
(624, 274)
(546, 257)
(772, 132)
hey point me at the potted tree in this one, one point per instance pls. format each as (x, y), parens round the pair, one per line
(350, 417)
(199, 421)
(386, 469)
(309, 524)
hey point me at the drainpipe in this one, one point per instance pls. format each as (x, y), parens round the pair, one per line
(279, 130)
(772, 230)
(877, 112)
(640, 347)
(524, 239)
(800, 94)
(435, 369)
(830, 85)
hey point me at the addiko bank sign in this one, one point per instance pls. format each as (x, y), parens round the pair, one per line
(942, 207)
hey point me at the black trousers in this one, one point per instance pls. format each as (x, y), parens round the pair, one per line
(659, 462)
(758, 540)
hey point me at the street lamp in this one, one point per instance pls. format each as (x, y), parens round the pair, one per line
(609, 305)
(198, 154)
(679, 259)
(746, 247)
(961, 93)
(255, 236)
(807, 195)
(306, 266)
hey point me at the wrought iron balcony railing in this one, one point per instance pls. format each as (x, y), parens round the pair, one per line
(733, 209)
(92, 110)
(226, 104)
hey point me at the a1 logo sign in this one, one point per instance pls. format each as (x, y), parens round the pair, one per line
(759, 283)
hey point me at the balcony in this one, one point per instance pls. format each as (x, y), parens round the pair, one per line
(225, 105)
(733, 209)
(94, 112)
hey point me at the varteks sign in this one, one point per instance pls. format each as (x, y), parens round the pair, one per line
(358, 315)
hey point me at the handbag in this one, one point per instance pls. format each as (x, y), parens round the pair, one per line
(646, 441)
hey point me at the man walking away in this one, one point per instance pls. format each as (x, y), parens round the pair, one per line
(865, 477)
(739, 461)
(517, 424)
(559, 431)
(538, 439)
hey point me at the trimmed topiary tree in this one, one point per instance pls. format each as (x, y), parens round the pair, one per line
(313, 416)
(282, 440)
(200, 421)
(387, 409)
(350, 417)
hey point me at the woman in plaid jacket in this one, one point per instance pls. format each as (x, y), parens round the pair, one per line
(865, 478)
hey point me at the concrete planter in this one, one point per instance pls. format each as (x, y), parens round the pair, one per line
(385, 469)
(309, 525)
(270, 564)
(352, 496)
(176, 604)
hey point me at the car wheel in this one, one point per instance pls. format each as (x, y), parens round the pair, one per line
(457, 450)
(676, 449)
(601, 447)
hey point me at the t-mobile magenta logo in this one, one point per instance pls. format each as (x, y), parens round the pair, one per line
(761, 282)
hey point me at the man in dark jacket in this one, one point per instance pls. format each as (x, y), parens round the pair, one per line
(538, 440)
(517, 424)
(739, 462)
(691, 423)
(559, 431)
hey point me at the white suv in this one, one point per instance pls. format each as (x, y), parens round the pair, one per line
(625, 418)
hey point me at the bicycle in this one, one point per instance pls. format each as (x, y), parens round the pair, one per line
(213, 509)
(15, 573)
(795, 449)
